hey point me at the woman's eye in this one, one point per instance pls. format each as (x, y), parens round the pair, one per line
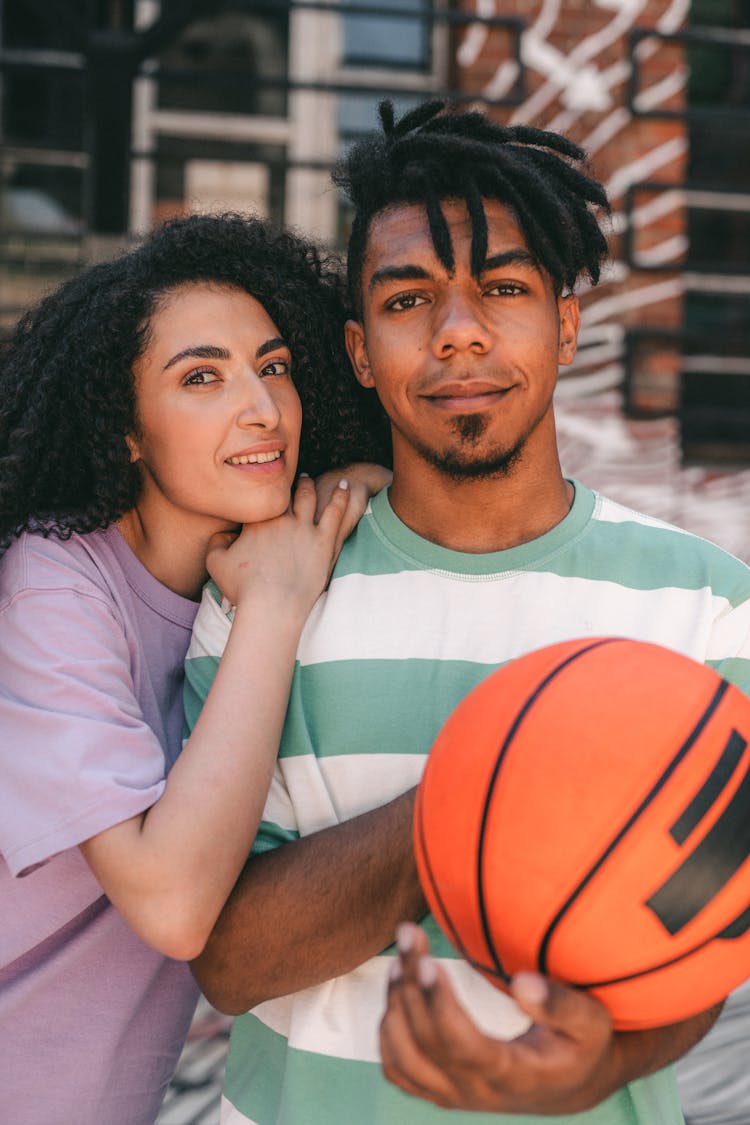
(275, 368)
(406, 301)
(201, 377)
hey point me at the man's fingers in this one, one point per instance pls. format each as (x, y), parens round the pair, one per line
(412, 943)
(568, 1011)
(404, 1063)
(439, 1024)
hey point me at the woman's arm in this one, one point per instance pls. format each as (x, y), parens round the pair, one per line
(170, 869)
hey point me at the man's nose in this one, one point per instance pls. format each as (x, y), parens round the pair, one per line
(461, 326)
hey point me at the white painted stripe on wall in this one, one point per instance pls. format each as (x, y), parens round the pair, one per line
(608, 307)
(645, 166)
(674, 17)
(577, 387)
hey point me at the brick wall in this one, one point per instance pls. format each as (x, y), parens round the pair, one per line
(575, 66)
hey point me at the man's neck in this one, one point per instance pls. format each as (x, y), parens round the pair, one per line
(481, 516)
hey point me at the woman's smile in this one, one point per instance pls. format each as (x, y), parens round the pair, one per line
(215, 384)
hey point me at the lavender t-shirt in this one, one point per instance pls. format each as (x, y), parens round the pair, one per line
(91, 658)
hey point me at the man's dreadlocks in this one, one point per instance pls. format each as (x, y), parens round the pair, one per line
(435, 153)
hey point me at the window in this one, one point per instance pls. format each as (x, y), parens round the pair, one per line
(387, 40)
(233, 62)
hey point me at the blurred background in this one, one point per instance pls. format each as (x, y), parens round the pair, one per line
(117, 114)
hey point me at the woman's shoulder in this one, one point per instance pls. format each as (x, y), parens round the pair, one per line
(35, 561)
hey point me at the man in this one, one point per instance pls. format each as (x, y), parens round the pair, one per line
(467, 242)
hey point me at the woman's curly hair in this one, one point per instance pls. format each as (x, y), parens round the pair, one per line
(67, 395)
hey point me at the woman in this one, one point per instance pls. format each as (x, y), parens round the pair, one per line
(148, 408)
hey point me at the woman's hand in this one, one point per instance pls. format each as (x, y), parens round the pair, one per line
(365, 479)
(289, 558)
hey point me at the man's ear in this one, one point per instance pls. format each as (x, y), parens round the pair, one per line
(354, 335)
(570, 321)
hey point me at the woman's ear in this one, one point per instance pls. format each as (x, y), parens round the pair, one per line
(133, 448)
(354, 336)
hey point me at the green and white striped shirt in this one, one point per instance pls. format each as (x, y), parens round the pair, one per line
(404, 631)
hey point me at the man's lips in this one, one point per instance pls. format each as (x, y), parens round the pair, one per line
(466, 395)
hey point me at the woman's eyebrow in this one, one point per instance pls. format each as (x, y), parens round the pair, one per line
(213, 351)
(198, 351)
(271, 345)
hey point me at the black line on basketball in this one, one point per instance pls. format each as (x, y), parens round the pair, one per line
(617, 839)
(453, 935)
(711, 790)
(709, 867)
(500, 757)
(736, 929)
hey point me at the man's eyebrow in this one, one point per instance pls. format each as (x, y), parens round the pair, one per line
(518, 257)
(398, 273)
(513, 257)
(212, 351)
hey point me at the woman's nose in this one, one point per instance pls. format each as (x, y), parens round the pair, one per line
(257, 406)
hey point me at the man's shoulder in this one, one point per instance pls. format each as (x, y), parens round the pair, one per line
(610, 511)
(649, 543)
(369, 551)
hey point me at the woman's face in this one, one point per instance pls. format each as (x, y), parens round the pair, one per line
(218, 415)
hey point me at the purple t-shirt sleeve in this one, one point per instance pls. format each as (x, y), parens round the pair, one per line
(75, 753)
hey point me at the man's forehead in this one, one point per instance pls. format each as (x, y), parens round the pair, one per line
(400, 231)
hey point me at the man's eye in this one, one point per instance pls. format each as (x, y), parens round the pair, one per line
(200, 377)
(505, 289)
(275, 367)
(406, 301)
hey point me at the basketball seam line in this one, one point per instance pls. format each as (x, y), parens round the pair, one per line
(493, 781)
(686, 746)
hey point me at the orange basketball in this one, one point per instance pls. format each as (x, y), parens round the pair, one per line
(585, 812)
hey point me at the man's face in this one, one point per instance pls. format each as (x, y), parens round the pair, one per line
(465, 367)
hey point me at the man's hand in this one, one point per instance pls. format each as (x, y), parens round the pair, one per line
(569, 1060)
